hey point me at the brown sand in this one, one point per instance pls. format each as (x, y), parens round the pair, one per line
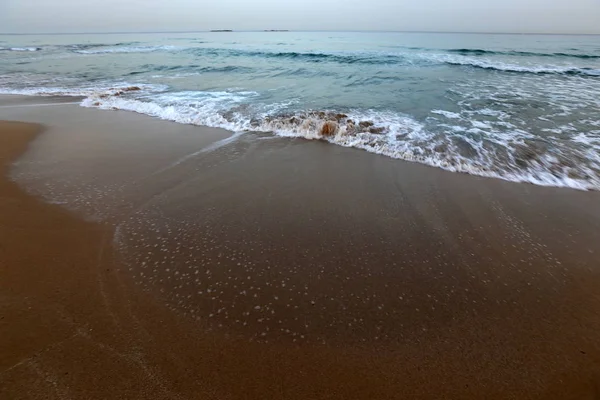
(74, 326)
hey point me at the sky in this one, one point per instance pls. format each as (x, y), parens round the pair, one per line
(516, 16)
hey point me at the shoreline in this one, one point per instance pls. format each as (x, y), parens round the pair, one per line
(79, 325)
(333, 128)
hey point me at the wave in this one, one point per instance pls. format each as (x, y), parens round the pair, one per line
(481, 52)
(462, 57)
(122, 49)
(86, 46)
(538, 70)
(517, 158)
(195, 69)
(313, 57)
(20, 49)
(214, 109)
(399, 59)
(95, 91)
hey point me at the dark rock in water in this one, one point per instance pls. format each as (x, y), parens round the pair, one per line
(528, 152)
(340, 117)
(321, 114)
(440, 148)
(365, 124)
(464, 148)
(376, 130)
(118, 92)
(329, 128)
(254, 123)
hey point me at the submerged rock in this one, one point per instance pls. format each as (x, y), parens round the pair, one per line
(329, 128)
(376, 130)
(350, 126)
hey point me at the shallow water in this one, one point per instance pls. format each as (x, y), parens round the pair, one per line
(517, 107)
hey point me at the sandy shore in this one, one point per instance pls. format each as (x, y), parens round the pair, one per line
(260, 267)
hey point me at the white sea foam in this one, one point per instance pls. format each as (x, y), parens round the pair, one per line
(447, 114)
(507, 154)
(196, 108)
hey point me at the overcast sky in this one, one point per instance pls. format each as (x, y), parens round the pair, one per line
(547, 16)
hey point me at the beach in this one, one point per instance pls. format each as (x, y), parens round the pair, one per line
(148, 259)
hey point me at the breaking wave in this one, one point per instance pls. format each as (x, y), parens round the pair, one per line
(519, 158)
(481, 52)
(540, 70)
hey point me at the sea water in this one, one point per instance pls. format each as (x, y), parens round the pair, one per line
(524, 108)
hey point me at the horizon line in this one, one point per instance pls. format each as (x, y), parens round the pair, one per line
(292, 31)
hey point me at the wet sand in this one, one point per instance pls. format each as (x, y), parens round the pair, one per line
(373, 278)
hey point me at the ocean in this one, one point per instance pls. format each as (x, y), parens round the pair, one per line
(523, 108)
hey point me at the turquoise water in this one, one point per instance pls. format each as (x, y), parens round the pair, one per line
(524, 108)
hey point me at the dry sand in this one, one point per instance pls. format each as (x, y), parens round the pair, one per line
(487, 289)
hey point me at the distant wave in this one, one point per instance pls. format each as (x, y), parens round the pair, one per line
(149, 68)
(87, 46)
(398, 59)
(122, 49)
(542, 70)
(314, 57)
(452, 57)
(480, 52)
(20, 48)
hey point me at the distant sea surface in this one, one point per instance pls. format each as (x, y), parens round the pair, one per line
(523, 108)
